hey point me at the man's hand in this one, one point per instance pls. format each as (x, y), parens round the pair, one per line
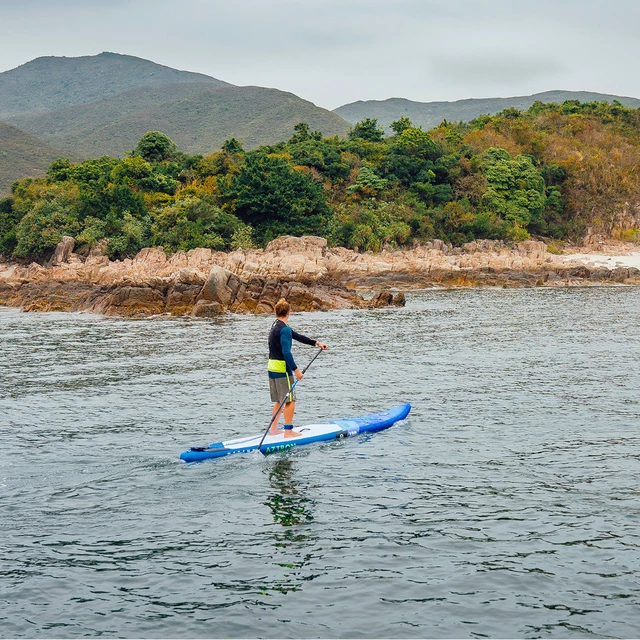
(299, 374)
(321, 345)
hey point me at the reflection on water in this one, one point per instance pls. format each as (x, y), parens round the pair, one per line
(291, 511)
(506, 506)
(287, 502)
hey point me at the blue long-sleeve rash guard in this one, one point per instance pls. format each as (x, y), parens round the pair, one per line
(280, 340)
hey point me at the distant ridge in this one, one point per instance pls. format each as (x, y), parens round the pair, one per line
(103, 104)
(50, 83)
(22, 155)
(198, 117)
(431, 114)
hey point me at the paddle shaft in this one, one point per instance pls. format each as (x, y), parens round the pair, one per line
(293, 386)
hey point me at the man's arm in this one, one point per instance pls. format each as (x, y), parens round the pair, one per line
(300, 338)
(314, 343)
(285, 343)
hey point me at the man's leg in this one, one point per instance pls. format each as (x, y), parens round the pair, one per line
(274, 425)
(289, 410)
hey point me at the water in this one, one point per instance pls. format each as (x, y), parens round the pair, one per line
(507, 505)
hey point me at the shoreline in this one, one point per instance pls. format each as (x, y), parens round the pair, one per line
(314, 277)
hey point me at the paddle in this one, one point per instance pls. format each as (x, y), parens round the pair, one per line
(277, 412)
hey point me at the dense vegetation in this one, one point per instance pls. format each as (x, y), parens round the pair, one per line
(555, 170)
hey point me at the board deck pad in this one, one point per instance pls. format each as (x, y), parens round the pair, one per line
(333, 430)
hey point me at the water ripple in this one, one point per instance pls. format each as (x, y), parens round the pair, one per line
(506, 506)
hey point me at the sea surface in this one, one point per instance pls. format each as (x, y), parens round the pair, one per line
(506, 505)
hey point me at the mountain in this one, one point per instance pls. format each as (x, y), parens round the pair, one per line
(103, 104)
(22, 155)
(198, 117)
(431, 114)
(50, 83)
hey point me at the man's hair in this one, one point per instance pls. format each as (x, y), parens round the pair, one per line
(282, 308)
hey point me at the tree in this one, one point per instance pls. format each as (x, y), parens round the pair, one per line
(516, 190)
(367, 225)
(368, 184)
(155, 146)
(8, 220)
(192, 222)
(302, 134)
(368, 130)
(322, 156)
(413, 141)
(46, 220)
(132, 235)
(138, 173)
(232, 146)
(275, 199)
(399, 125)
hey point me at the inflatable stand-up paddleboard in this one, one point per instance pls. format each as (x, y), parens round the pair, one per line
(334, 430)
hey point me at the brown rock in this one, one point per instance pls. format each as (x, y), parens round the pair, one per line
(399, 300)
(599, 274)
(131, 302)
(381, 299)
(580, 272)
(99, 249)
(205, 309)
(181, 298)
(153, 258)
(220, 286)
(306, 245)
(619, 274)
(63, 251)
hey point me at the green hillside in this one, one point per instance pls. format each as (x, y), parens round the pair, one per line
(431, 114)
(198, 117)
(50, 83)
(22, 155)
(558, 171)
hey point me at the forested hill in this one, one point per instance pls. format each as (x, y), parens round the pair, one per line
(198, 117)
(558, 171)
(21, 154)
(103, 104)
(50, 83)
(431, 114)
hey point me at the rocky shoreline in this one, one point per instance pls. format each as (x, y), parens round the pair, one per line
(305, 270)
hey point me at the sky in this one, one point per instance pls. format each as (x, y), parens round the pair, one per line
(333, 52)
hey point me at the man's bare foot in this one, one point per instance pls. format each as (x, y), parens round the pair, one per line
(290, 433)
(274, 432)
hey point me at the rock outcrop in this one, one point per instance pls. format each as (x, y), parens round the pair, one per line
(312, 276)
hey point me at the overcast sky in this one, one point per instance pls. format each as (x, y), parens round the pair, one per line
(337, 51)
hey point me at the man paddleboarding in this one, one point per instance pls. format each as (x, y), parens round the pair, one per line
(282, 367)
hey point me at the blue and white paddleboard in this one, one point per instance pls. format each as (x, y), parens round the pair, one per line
(333, 430)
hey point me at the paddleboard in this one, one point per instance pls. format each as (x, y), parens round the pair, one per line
(334, 430)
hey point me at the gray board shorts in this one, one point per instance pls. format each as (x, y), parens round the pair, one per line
(279, 387)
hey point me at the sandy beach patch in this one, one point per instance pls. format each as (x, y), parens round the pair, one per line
(604, 260)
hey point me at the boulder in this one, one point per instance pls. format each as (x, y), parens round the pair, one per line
(63, 251)
(381, 299)
(399, 300)
(619, 274)
(99, 249)
(131, 302)
(152, 258)
(205, 309)
(305, 245)
(220, 286)
(181, 298)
